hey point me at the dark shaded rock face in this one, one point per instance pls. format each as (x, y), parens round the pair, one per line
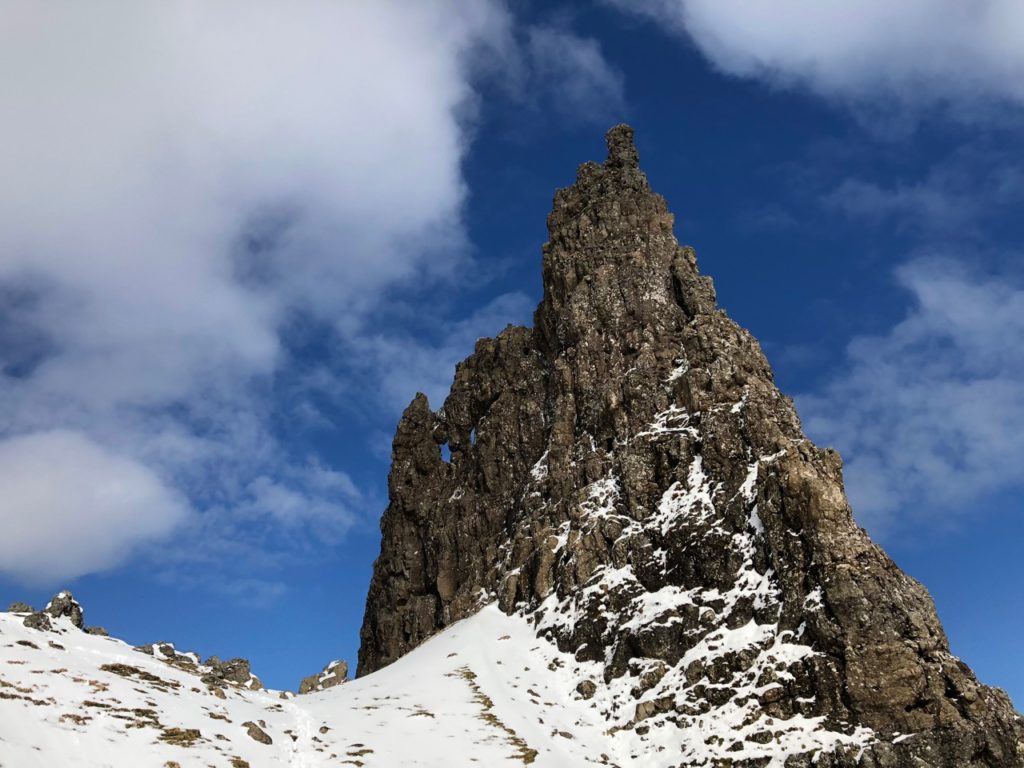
(627, 475)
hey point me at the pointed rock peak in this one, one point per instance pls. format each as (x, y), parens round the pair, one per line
(621, 149)
(612, 260)
(627, 479)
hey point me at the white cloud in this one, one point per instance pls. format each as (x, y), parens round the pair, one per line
(930, 415)
(184, 184)
(180, 180)
(71, 507)
(916, 52)
(287, 498)
(142, 143)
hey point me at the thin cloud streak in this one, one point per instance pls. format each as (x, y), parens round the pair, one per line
(930, 414)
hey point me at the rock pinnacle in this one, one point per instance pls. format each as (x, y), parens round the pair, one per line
(621, 149)
(627, 477)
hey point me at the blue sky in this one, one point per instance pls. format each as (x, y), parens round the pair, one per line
(236, 240)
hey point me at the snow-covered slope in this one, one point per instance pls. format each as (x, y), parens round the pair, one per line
(485, 691)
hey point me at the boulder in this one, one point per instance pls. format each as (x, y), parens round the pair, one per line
(40, 621)
(256, 733)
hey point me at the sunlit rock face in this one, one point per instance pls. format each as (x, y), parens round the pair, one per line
(627, 476)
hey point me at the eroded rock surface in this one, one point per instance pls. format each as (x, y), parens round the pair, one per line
(627, 474)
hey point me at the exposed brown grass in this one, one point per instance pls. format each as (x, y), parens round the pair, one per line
(523, 750)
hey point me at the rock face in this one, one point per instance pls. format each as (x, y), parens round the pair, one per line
(627, 475)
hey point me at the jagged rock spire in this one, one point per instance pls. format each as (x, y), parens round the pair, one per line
(627, 475)
(621, 149)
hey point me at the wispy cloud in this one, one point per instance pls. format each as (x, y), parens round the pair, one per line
(930, 414)
(955, 197)
(572, 75)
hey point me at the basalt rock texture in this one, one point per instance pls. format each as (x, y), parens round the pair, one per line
(627, 475)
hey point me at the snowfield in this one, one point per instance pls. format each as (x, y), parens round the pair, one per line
(486, 691)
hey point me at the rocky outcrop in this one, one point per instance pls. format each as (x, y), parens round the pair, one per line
(165, 651)
(627, 474)
(213, 672)
(64, 605)
(334, 673)
(61, 606)
(232, 671)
